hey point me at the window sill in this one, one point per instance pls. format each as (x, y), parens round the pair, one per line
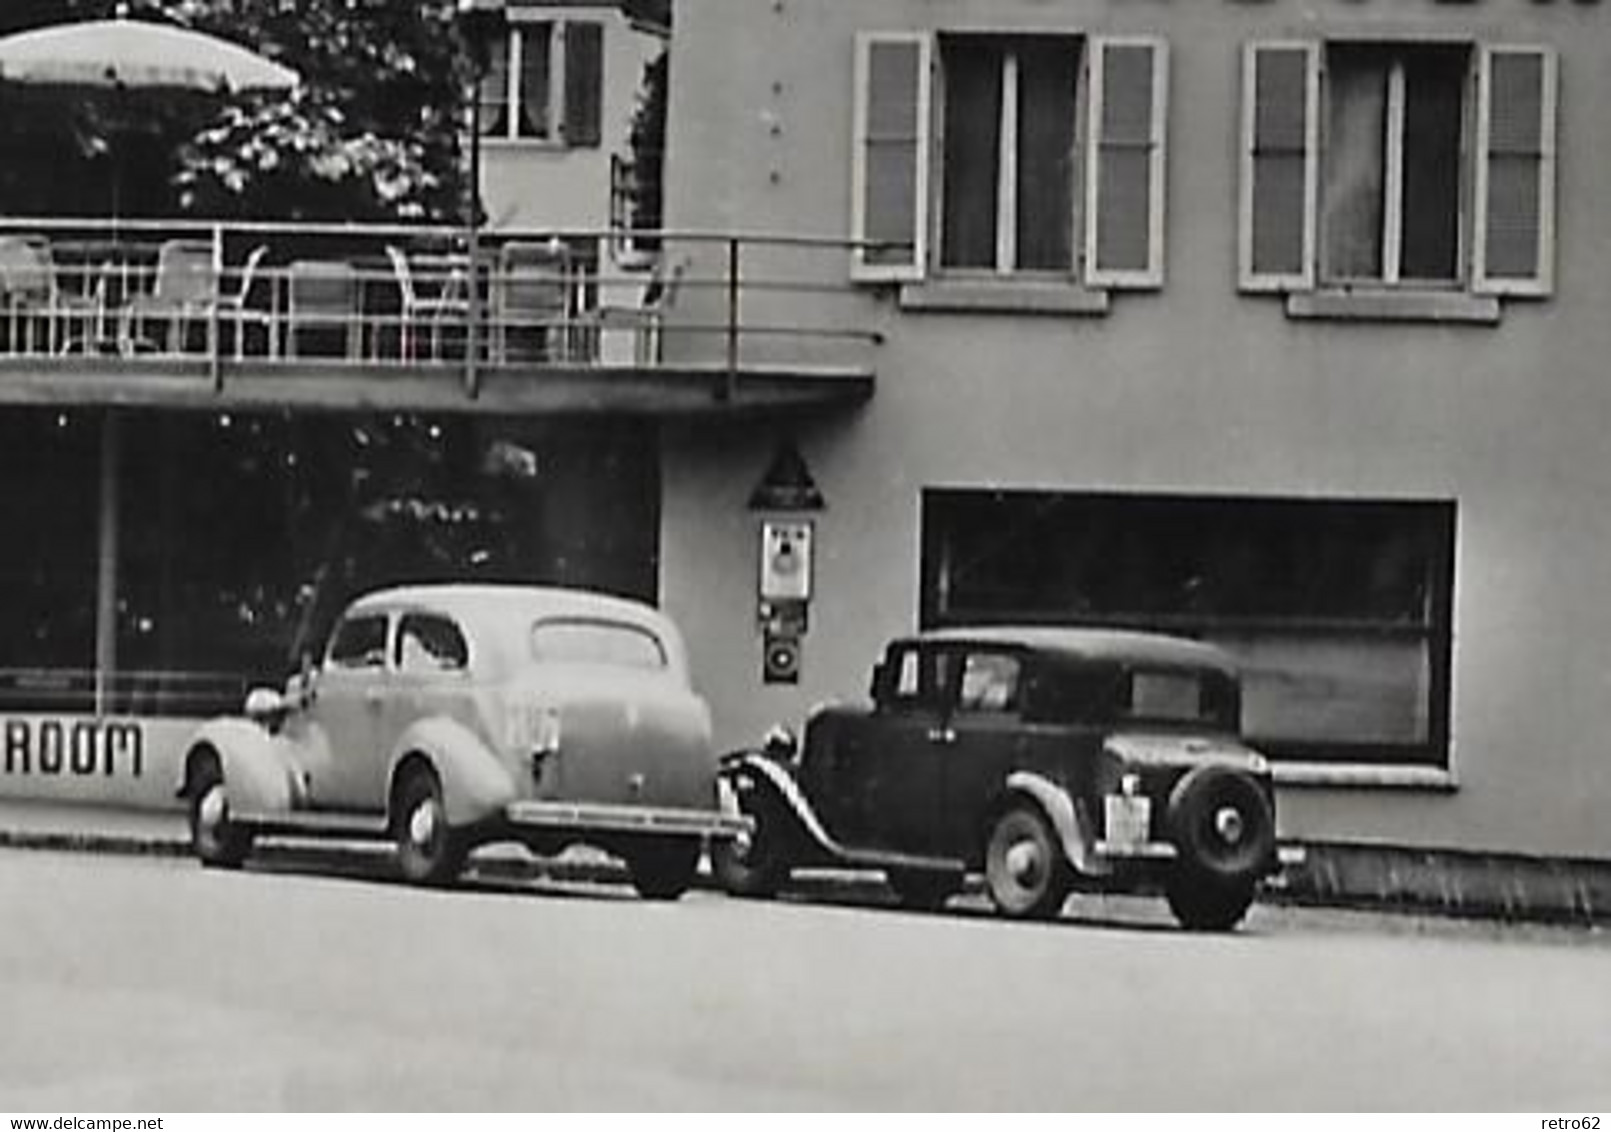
(1394, 306)
(1004, 297)
(1365, 777)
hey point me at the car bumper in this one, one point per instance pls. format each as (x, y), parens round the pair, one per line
(625, 819)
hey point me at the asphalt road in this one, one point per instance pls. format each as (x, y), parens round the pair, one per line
(151, 985)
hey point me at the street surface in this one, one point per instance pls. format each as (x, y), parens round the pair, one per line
(150, 985)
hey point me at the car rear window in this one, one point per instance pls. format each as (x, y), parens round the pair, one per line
(586, 641)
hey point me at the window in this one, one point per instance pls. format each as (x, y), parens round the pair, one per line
(427, 643)
(1399, 166)
(545, 83)
(1339, 610)
(992, 157)
(597, 642)
(989, 682)
(360, 642)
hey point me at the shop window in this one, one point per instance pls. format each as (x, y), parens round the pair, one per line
(544, 83)
(1339, 610)
(1414, 169)
(991, 158)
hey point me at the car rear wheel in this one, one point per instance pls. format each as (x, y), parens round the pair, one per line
(1025, 870)
(429, 850)
(663, 870)
(218, 841)
(753, 864)
(923, 890)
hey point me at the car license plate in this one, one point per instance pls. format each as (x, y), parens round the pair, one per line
(1129, 819)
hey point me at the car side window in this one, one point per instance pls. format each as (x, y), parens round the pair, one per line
(360, 642)
(913, 679)
(429, 643)
(989, 682)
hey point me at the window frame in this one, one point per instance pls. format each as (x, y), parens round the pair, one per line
(1083, 274)
(557, 98)
(1471, 295)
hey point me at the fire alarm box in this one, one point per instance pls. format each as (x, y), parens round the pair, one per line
(785, 561)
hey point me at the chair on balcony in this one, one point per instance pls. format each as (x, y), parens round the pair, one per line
(39, 315)
(531, 290)
(234, 307)
(322, 300)
(180, 299)
(644, 321)
(447, 306)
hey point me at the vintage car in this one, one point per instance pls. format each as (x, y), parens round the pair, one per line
(444, 717)
(1048, 759)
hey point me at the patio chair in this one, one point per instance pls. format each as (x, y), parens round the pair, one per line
(233, 308)
(34, 301)
(322, 299)
(447, 306)
(645, 321)
(531, 302)
(182, 297)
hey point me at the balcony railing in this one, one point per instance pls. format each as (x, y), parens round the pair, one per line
(227, 298)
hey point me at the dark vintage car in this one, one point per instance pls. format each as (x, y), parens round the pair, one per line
(443, 717)
(1048, 759)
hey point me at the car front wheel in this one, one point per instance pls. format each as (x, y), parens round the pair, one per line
(663, 870)
(218, 841)
(429, 850)
(753, 864)
(1025, 869)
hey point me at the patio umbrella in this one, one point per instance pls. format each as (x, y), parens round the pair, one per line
(125, 53)
(122, 56)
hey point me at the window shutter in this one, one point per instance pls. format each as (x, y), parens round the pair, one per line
(889, 167)
(584, 83)
(1280, 122)
(1125, 187)
(1514, 245)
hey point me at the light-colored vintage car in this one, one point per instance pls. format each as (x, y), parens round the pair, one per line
(444, 717)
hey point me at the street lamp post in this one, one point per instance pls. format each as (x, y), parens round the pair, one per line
(480, 22)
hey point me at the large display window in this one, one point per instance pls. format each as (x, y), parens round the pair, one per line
(164, 561)
(1339, 610)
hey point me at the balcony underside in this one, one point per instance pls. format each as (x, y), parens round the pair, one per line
(441, 387)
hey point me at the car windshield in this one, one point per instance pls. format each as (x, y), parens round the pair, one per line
(587, 641)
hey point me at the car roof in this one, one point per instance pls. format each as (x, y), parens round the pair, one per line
(1120, 645)
(478, 599)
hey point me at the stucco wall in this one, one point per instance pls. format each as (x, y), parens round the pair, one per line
(1193, 389)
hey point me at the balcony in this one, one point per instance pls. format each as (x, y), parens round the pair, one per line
(242, 316)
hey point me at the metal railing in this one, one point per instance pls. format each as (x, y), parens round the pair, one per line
(270, 294)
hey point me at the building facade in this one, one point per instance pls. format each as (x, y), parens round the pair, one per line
(1274, 323)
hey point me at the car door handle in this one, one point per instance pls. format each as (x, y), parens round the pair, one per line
(373, 697)
(942, 735)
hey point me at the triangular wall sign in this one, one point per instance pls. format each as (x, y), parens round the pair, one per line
(787, 484)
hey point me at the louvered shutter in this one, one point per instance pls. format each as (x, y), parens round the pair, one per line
(1280, 111)
(890, 163)
(1125, 184)
(584, 83)
(1514, 245)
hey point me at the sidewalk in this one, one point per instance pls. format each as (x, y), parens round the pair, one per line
(103, 829)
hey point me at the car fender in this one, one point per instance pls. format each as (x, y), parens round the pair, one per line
(764, 773)
(475, 783)
(258, 770)
(1068, 818)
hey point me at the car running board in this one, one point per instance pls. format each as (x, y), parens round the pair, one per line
(626, 819)
(317, 823)
(881, 859)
